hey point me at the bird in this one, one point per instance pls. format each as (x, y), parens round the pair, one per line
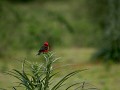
(44, 48)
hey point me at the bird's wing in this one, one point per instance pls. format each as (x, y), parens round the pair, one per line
(43, 48)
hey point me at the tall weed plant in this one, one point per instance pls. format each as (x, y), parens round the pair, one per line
(40, 76)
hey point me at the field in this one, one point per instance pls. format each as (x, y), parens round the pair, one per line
(75, 29)
(71, 59)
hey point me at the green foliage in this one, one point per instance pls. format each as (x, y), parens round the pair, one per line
(98, 10)
(26, 1)
(110, 51)
(63, 23)
(41, 76)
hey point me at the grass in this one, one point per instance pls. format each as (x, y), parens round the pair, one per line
(72, 59)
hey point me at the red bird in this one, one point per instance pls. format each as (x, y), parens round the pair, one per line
(44, 48)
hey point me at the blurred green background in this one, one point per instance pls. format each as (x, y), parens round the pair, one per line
(79, 31)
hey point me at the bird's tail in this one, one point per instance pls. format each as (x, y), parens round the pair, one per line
(39, 53)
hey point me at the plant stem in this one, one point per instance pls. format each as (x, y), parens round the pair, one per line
(48, 72)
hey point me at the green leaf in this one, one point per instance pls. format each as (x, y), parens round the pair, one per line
(58, 85)
(72, 86)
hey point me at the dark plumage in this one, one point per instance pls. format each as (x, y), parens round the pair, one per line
(44, 48)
